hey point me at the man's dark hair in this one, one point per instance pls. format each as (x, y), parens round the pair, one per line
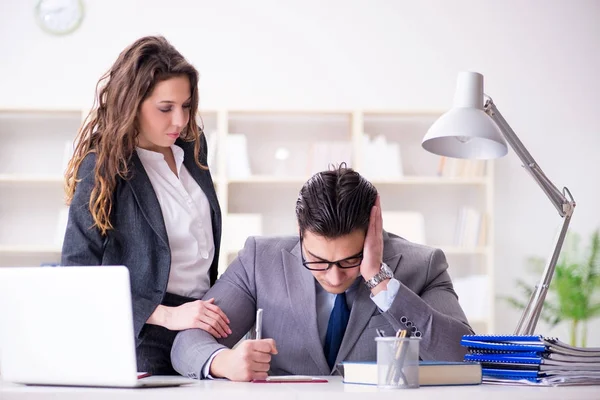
(336, 202)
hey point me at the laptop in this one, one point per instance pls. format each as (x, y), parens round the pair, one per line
(70, 326)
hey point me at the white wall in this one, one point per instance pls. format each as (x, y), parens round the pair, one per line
(540, 59)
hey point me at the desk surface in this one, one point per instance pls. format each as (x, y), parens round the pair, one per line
(335, 389)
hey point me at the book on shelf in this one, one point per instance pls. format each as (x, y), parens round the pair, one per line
(471, 228)
(449, 167)
(473, 295)
(238, 162)
(238, 227)
(532, 359)
(61, 226)
(408, 224)
(382, 158)
(326, 153)
(211, 142)
(67, 154)
(431, 373)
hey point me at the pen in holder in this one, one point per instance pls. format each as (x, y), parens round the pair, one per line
(398, 361)
(395, 369)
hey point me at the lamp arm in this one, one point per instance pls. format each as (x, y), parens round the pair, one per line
(565, 207)
(533, 310)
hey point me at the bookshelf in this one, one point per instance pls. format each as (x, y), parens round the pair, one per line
(257, 190)
(32, 159)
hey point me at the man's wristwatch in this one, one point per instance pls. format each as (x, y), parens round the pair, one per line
(384, 273)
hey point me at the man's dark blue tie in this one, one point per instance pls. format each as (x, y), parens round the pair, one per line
(338, 320)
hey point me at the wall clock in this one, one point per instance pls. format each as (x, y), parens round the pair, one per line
(59, 17)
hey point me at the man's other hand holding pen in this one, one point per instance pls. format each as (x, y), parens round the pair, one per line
(250, 360)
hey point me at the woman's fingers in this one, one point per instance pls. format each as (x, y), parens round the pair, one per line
(218, 319)
(214, 320)
(216, 309)
(208, 328)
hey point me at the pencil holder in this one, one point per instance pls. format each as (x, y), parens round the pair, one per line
(397, 362)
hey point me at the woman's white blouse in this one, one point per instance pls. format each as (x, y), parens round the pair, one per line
(187, 217)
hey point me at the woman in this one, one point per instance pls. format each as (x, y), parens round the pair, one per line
(140, 195)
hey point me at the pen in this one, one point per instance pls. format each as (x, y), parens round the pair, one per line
(401, 335)
(395, 373)
(401, 355)
(379, 332)
(258, 324)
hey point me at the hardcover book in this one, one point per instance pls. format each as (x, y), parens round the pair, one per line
(431, 373)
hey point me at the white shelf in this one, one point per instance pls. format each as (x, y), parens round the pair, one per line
(464, 250)
(407, 180)
(430, 180)
(269, 179)
(30, 178)
(29, 249)
(312, 138)
(477, 322)
(453, 250)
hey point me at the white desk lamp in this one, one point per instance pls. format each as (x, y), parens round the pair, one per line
(477, 131)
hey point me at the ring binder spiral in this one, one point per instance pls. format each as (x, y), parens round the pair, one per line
(504, 358)
(505, 346)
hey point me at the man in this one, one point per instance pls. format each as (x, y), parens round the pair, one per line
(318, 312)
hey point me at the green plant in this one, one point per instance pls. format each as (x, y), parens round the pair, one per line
(573, 296)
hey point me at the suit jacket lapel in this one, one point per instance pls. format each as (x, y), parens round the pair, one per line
(363, 307)
(202, 178)
(300, 285)
(146, 198)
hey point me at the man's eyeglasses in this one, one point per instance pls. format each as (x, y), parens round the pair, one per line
(350, 262)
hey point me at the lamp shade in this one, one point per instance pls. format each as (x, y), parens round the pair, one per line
(466, 131)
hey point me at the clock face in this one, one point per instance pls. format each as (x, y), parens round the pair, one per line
(59, 17)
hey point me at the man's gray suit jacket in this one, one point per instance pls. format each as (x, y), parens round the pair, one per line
(268, 274)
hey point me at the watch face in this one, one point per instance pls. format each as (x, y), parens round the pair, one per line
(59, 17)
(387, 269)
(385, 272)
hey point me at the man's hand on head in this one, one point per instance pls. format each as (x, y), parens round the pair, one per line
(373, 248)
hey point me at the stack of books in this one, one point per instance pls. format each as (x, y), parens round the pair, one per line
(530, 359)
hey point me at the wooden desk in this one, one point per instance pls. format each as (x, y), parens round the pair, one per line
(335, 389)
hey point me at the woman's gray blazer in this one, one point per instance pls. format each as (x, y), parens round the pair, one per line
(139, 238)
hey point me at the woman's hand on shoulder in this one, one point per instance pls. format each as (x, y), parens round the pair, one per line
(199, 314)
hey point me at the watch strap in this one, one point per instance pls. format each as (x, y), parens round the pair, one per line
(383, 274)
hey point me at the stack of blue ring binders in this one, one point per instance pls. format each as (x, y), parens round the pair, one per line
(533, 359)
